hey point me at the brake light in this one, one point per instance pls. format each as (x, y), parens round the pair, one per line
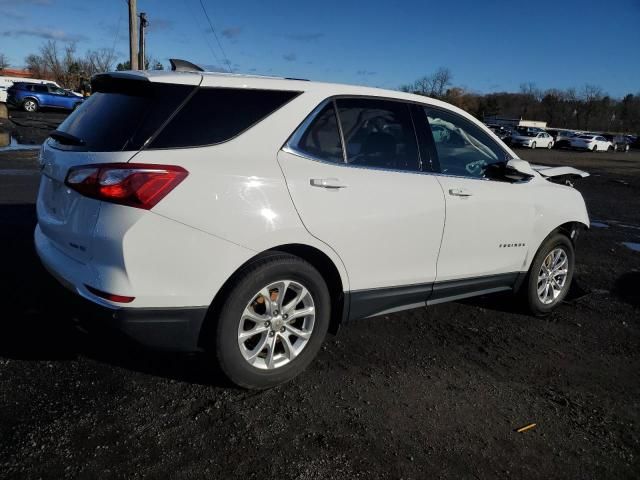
(130, 184)
(110, 296)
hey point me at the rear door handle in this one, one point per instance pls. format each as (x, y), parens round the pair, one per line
(460, 192)
(326, 183)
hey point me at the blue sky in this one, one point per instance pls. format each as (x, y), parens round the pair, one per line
(488, 45)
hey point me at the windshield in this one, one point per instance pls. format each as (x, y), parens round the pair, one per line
(525, 133)
(587, 137)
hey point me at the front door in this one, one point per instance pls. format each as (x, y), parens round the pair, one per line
(488, 222)
(368, 201)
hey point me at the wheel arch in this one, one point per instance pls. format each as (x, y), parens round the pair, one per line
(29, 97)
(570, 229)
(316, 257)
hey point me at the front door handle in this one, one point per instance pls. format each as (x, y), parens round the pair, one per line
(326, 183)
(460, 192)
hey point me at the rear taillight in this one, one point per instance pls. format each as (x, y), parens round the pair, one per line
(110, 296)
(131, 184)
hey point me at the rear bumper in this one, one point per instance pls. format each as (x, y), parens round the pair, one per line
(175, 329)
(168, 329)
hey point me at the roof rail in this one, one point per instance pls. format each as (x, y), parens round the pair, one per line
(178, 65)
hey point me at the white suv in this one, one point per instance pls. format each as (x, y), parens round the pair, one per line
(245, 216)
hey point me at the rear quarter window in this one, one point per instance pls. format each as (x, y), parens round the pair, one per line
(216, 115)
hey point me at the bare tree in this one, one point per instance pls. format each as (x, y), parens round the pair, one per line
(441, 81)
(35, 64)
(434, 85)
(4, 61)
(591, 96)
(98, 61)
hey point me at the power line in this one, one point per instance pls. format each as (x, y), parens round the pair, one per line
(206, 38)
(224, 55)
(115, 40)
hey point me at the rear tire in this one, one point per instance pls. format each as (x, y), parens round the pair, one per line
(547, 285)
(30, 105)
(550, 145)
(254, 340)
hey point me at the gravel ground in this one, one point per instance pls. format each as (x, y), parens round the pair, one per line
(429, 393)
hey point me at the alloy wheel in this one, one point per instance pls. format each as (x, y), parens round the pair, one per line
(30, 106)
(552, 276)
(276, 325)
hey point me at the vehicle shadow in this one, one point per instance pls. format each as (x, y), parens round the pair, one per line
(509, 303)
(627, 287)
(39, 317)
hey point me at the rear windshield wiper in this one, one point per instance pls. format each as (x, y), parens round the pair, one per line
(66, 138)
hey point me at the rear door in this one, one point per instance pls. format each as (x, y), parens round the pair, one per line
(41, 92)
(367, 197)
(488, 222)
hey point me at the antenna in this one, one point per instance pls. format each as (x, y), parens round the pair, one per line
(178, 65)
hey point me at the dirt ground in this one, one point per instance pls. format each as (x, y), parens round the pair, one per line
(429, 393)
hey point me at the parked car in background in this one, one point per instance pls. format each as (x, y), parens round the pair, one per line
(620, 142)
(232, 213)
(562, 138)
(6, 82)
(532, 139)
(33, 96)
(503, 133)
(3, 94)
(591, 142)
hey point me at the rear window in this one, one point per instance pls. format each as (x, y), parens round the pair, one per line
(123, 114)
(215, 115)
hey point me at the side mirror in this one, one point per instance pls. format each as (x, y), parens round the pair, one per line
(518, 170)
(515, 170)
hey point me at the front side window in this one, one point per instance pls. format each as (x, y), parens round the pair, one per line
(378, 133)
(463, 148)
(321, 140)
(56, 90)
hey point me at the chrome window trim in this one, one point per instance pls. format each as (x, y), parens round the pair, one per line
(290, 146)
(307, 156)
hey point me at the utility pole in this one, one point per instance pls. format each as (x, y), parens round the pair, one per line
(133, 35)
(143, 26)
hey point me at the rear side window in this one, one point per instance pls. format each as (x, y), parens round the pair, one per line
(123, 114)
(378, 133)
(215, 115)
(322, 139)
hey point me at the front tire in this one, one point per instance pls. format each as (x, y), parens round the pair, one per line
(550, 274)
(30, 105)
(533, 146)
(273, 322)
